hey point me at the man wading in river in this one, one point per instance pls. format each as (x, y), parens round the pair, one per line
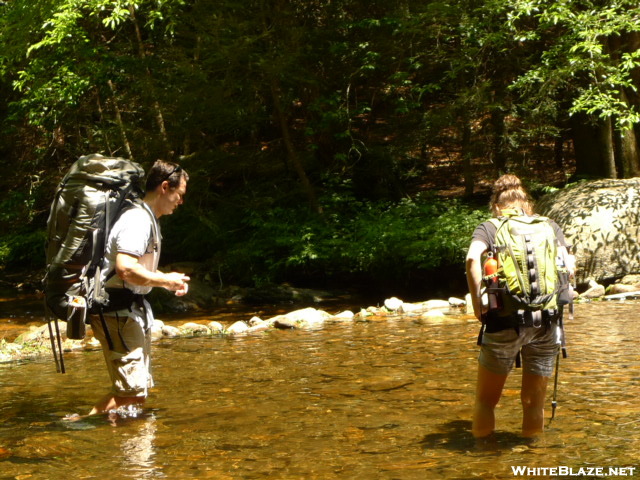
(133, 252)
(524, 311)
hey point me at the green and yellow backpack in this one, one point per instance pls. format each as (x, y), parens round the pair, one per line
(526, 250)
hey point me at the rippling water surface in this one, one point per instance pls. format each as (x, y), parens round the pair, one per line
(385, 399)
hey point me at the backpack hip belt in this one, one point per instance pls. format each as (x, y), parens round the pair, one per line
(521, 318)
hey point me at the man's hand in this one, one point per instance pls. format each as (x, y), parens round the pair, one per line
(177, 282)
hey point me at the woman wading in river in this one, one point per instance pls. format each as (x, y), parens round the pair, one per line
(505, 336)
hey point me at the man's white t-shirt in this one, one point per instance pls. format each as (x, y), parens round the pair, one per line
(135, 233)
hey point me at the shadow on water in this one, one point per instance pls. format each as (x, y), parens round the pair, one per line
(455, 436)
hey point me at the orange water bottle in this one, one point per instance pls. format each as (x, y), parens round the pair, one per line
(490, 270)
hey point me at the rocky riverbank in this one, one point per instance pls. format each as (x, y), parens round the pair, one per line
(36, 341)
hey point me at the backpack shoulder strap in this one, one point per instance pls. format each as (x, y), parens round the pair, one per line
(498, 223)
(155, 227)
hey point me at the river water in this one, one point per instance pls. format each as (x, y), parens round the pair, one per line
(386, 399)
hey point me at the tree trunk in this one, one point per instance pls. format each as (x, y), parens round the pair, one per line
(593, 147)
(159, 117)
(291, 150)
(499, 157)
(467, 168)
(625, 141)
(607, 148)
(120, 123)
(558, 151)
(103, 129)
(628, 148)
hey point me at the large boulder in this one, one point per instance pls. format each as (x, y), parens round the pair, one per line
(601, 219)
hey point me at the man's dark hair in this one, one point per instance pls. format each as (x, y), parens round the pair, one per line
(161, 171)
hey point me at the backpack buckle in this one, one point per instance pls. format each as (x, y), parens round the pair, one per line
(536, 318)
(530, 318)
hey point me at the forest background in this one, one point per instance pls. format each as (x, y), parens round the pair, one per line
(329, 142)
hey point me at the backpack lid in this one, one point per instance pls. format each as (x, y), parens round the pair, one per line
(512, 212)
(107, 171)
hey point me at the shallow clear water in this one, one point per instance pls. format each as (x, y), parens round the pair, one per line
(386, 399)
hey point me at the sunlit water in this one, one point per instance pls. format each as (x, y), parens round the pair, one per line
(386, 399)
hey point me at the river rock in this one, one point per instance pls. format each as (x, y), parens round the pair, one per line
(282, 322)
(309, 315)
(457, 302)
(595, 290)
(628, 284)
(346, 315)
(171, 331)
(410, 308)
(156, 329)
(469, 304)
(10, 351)
(600, 219)
(630, 280)
(215, 327)
(38, 334)
(377, 310)
(193, 328)
(237, 328)
(306, 317)
(69, 345)
(436, 305)
(393, 304)
(622, 288)
(260, 326)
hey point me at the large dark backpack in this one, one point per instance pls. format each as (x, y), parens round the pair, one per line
(87, 202)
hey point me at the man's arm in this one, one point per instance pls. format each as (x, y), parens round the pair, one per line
(129, 269)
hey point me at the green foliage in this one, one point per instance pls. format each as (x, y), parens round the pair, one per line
(381, 239)
(580, 55)
(25, 250)
(248, 94)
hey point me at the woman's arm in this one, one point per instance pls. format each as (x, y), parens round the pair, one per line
(474, 276)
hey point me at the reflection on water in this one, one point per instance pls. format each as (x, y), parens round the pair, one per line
(387, 399)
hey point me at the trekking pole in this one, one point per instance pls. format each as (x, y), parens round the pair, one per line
(554, 401)
(62, 369)
(562, 351)
(56, 349)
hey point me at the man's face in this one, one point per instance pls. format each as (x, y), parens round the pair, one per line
(171, 197)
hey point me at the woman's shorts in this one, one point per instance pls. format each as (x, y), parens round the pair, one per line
(538, 348)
